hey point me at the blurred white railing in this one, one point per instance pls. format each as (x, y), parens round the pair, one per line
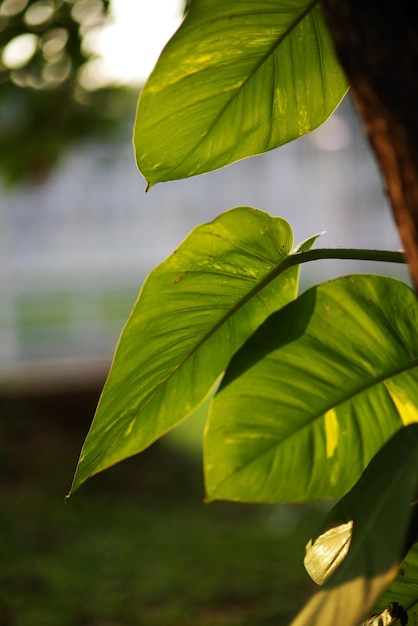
(74, 251)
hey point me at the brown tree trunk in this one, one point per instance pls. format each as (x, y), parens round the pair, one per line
(377, 44)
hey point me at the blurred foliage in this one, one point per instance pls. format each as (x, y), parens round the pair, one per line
(46, 101)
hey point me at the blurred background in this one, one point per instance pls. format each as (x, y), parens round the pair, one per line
(78, 235)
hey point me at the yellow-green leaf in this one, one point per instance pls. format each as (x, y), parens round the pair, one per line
(237, 79)
(193, 312)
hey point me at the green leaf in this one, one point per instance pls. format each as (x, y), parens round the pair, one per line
(380, 508)
(311, 397)
(240, 77)
(331, 545)
(404, 588)
(193, 312)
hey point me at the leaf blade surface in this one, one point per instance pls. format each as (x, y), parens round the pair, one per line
(237, 79)
(193, 312)
(309, 399)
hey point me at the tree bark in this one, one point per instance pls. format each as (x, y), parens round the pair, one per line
(377, 45)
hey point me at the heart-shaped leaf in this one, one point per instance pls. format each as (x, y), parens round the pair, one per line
(193, 312)
(312, 396)
(237, 79)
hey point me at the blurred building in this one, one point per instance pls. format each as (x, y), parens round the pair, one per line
(75, 250)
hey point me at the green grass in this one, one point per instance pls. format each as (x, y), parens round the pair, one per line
(136, 545)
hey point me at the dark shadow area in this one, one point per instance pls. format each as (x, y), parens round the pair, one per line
(136, 545)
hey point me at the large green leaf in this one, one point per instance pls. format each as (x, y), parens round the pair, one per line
(193, 312)
(380, 508)
(240, 77)
(311, 397)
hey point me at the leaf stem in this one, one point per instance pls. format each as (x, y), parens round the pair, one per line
(354, 254)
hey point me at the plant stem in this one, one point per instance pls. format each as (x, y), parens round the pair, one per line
(387, 256)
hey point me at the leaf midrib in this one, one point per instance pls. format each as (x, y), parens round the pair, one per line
(268, 278)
